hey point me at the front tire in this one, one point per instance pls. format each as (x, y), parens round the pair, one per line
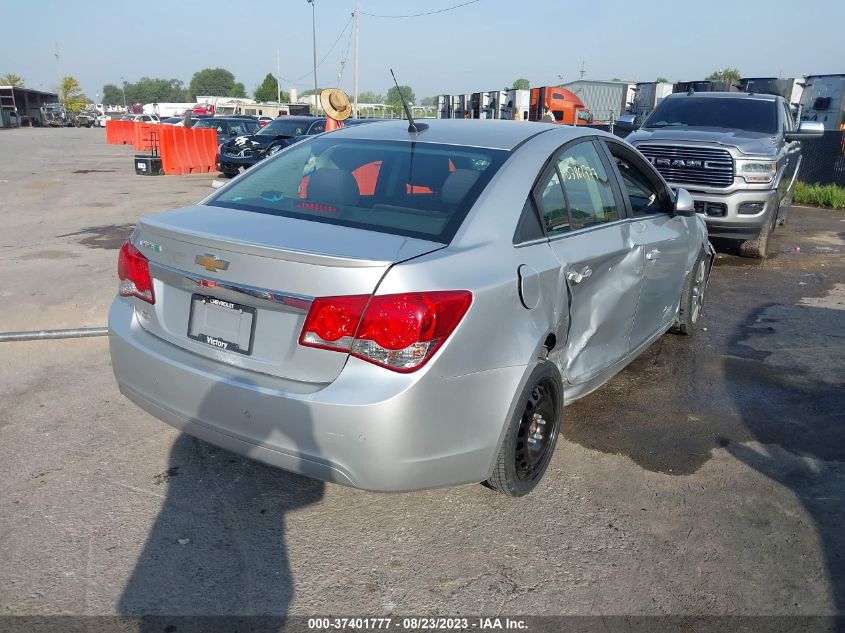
(759, 248)
(692, 296)
(532, 434)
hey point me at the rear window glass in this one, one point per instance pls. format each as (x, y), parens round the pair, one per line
(421, 190)
(753, 115)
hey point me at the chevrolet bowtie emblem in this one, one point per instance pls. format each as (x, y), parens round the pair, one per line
(210, 262)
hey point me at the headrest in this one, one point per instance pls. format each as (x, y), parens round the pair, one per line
(333, 186)
(458, 184)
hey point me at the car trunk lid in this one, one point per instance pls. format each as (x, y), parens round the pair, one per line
(235, 285)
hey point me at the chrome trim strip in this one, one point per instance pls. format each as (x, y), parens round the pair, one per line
(259, 297)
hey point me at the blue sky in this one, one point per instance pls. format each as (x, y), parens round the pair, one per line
(481, 46)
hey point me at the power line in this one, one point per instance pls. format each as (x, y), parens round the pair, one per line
(345, 55)
(311, 72)
(418, 15)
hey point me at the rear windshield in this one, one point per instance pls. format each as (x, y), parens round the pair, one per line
(753, 115)
(285, 127)
(417, 190)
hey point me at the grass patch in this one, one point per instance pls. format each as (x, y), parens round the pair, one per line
(830, 196)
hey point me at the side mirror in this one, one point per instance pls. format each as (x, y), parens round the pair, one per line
(806, 130)
(684, 205)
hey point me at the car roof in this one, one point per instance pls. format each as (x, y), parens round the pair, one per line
(299, 117)
(725, 95)
(487, 133)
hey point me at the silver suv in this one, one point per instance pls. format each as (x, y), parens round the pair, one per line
(738, 154)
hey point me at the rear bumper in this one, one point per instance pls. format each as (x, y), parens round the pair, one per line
(370, 428)
(733, 224)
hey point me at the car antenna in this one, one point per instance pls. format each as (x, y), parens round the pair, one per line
(412, 127)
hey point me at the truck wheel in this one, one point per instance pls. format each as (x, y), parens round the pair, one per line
(692, 297)
(532, 433)
(757, 249)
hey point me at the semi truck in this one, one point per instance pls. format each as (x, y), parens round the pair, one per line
(824, 101)
(523, 105)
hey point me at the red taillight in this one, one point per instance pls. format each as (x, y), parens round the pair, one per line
(134, 272)
(332, 321)
(400, 332)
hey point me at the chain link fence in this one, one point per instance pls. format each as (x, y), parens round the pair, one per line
(823, 160)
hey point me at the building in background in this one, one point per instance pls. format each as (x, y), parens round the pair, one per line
(22, 106)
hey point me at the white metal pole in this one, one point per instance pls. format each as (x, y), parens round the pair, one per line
(357, 31)
(278, 77)
(314, 39)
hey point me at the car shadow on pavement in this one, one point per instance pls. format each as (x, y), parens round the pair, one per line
(772, 395)
(216, 557)
(787, 376)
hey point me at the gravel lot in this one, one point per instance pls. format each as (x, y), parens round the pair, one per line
(707, 478)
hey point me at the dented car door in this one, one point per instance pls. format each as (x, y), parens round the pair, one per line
(600, 268)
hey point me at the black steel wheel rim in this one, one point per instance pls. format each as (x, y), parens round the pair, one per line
(536, 432)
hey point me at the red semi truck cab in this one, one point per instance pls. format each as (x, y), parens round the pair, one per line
(564, 105)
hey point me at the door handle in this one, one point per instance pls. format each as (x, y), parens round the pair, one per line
(653, 254)
(577, 277)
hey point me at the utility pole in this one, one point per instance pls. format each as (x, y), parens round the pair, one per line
(278, 77)
(583, 72)
(123, 86)
(357, 31)
(314, 37)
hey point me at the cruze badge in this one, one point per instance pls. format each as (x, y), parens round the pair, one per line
(211, 263)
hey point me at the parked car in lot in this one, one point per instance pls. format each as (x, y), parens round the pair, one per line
(246, 150)
(228, 127)
(395, 310)
(738, 154)
(142, 118)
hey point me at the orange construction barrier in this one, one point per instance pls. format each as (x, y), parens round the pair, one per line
(111, 132)
(120, 132)
(187, 150)
(144, 136)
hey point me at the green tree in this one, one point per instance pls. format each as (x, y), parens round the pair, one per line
(521, 84)
(112, 95)
(394, 99)
(661, 80)
(10, 79)
(152, 90)
(727, 74)
(238, 90)
(267, 89)
(70, 95)
(370, 97)
(429, 101)
(216, 82)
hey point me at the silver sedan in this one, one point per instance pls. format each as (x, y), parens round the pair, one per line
(398, 310)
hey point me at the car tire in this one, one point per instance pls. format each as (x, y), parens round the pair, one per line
(531, 435)
(692, 296)
(759, 248)
(229, 174)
